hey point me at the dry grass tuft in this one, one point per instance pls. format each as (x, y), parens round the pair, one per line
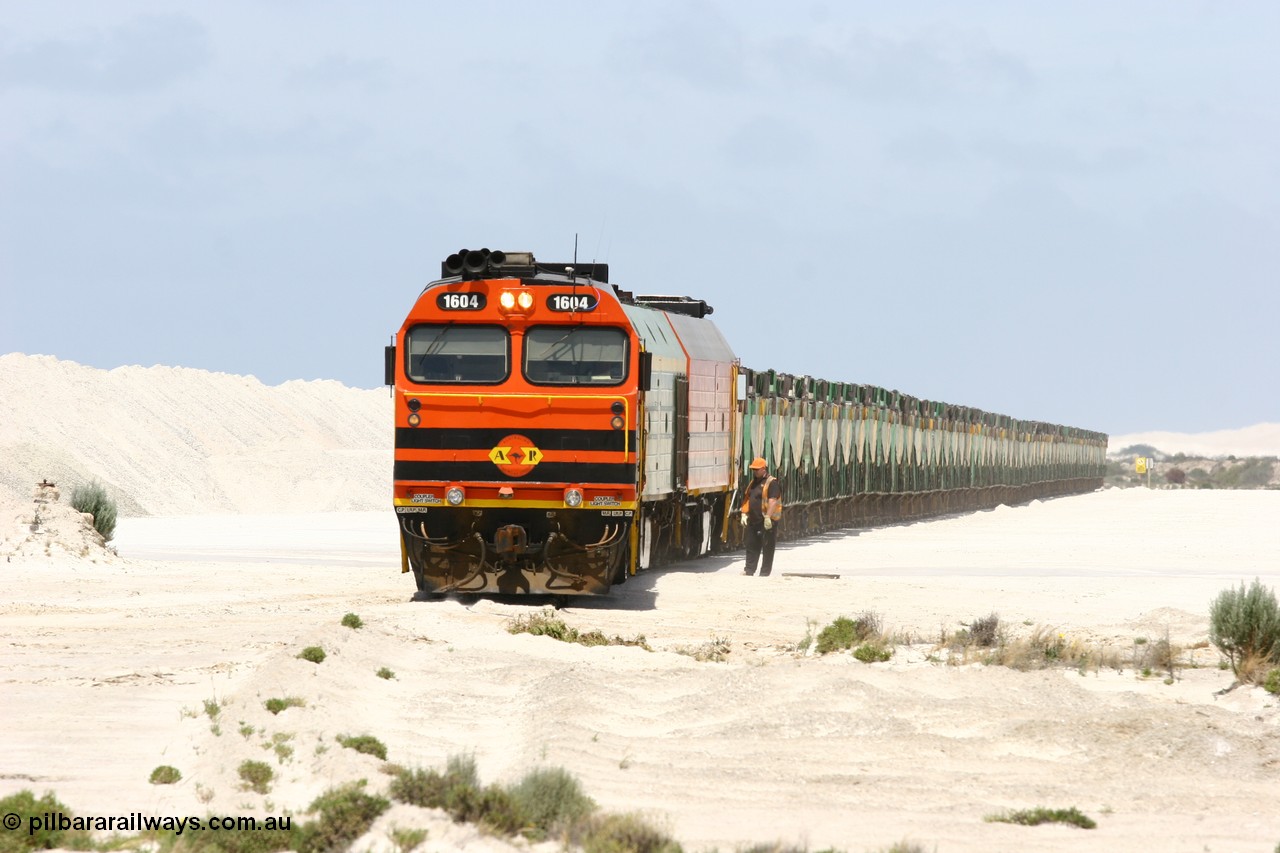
(547, 624)
(715, 650)
(1047, 647)
(985, 632)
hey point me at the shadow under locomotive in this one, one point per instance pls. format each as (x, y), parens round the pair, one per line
(515, 550)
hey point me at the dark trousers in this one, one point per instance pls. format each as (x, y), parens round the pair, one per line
(759, 544)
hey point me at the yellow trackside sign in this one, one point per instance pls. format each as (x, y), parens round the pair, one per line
(1140, 465)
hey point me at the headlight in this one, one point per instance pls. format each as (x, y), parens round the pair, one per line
(507, 299)
(415, 419)
(573, 497)
(617, 422)
(525, 299)
(454, 496)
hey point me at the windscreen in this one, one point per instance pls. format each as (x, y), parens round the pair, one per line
(458, 353)
(575, 355)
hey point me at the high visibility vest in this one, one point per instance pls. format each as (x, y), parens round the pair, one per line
(772, 506)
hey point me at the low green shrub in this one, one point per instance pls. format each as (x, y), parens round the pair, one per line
(872, 653)
(238, 840)
(844, 632)
(351, 620)
(25, 806)
(1272, 682)
(491, 807)
(386, 673)
(552, 800)
(256, 776)
(418, 787)
(344, 814)
(1039, 815)
(364, 744)
(315, 654)
(623, 833)
(165, 775)
(275, 706)
(548, 625)
(458, 792)
(1245, 625)
(93, 499)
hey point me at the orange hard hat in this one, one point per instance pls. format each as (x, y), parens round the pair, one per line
(758, 462)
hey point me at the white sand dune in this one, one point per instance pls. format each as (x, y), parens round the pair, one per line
(108, 660)
(1256, 440)
(171, 440)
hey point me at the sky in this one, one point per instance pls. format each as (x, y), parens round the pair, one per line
(1058, 212)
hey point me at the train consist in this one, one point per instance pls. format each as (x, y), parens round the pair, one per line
(556, 434)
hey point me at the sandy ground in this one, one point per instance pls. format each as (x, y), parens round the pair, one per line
(108, 662)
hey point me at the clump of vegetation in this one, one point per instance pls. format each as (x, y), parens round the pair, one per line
(1253, 473)
(93, 499)
(1045, 647)
(458, 792)
(431, 789)
(165, 775)
(715, 650)
(344, 814)
(1048, 647)
(844, 632)
(25, 806)
(353, 621)
(873, 653)
(279, 743)
(608, 833)
(315, 654)
(256, 776)
(407, 839)
(545, 803)
(551, 801)
(364, 744)
(985, 632)
(546, 624)
(1245, 626)
(275, 706)
(1272, 682)
(1160, 655)
(386, 673)
(1039, 815)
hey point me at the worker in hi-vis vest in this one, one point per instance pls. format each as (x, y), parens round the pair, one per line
(761, 507)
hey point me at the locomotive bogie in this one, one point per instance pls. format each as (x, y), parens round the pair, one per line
(509, 550)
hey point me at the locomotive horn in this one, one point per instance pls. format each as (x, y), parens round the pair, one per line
(476, 261)
(453, 263)
(497, 257)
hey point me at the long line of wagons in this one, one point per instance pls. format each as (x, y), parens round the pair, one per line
(557, 434)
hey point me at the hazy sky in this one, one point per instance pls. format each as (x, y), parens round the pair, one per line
(1067, 212)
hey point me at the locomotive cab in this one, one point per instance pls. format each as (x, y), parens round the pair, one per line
(516, 390)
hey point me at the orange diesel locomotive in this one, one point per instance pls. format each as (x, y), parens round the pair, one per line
(553, 433)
